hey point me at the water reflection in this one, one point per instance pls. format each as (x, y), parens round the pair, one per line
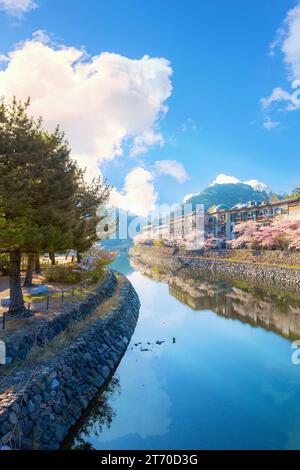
(226, 382)
(100, 415)
(273, 310)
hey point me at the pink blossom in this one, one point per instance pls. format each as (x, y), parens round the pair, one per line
(281, 233)
(212, 243)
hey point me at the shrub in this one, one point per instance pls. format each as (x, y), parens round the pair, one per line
(65, 273)
(91, 267)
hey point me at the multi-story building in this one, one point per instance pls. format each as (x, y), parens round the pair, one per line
(180, 226)
(220, 222)
(223, 219)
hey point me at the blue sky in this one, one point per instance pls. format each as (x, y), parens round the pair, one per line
(219, 53)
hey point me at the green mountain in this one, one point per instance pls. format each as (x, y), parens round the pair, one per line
(228, 194)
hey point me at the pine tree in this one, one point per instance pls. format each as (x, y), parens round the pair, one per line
(38, 184)
(37, 264)
(29, 271)
(19, 149)
(55, 198)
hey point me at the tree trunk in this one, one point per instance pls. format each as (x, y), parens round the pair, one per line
(52, 257)
(29, 271)
(16, 294)
(79, 257)
(37, 268)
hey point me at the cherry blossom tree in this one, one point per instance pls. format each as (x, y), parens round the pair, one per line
(282, 233)
(212, 243)
(95, 260)
(247, 235)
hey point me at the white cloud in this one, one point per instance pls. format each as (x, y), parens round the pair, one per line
(269, 124)
(278, 94)
(138, 195)
(41, 36)
(288, 39)
(172, 168)
(225, 179)
(189, 124)
(104, 103)
(4, 58)
(143, 142)
(291, 42)
(189, 196)
(257, 185)
(17, 7)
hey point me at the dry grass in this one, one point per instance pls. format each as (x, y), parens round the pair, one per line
(38, 307)
(253, 261)
(277, 257)
(263, 258)
(40, 355)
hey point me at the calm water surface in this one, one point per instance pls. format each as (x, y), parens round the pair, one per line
(221, 379)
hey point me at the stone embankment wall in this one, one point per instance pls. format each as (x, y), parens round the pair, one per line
(269, 275)
(40, 405)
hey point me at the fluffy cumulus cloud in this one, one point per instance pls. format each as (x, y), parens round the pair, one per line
(17, 7)
(172, 168)
(288, 40)
(138, 195)
(225, 179)
(106, 103)
(291, 42)
(144, 141)
(257, 185)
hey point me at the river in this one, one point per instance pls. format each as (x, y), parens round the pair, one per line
(209, 367)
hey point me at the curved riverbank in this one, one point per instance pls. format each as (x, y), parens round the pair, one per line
(204, 359)
(268, 275)
(42, 400)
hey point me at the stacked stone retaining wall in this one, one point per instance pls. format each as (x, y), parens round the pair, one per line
(39, 406)
(268, 275)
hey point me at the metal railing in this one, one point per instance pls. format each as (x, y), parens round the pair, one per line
(51, 301)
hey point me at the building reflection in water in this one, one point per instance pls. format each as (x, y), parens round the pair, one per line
(271, 309)
(115, 417)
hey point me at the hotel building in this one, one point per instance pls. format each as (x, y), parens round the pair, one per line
(222, 220)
